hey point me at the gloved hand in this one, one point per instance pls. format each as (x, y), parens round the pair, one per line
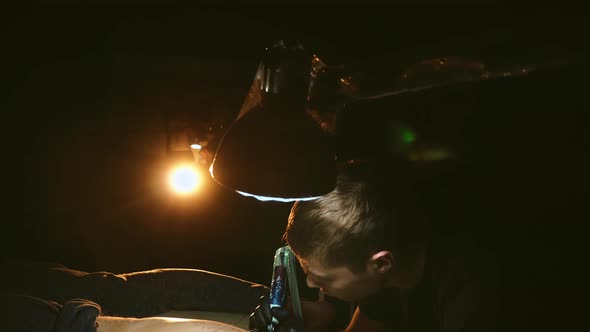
(261, 318)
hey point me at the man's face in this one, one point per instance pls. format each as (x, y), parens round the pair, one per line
(341, 282)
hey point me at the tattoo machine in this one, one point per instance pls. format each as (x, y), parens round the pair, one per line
(283, 276)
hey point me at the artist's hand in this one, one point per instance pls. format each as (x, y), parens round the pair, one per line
(261, 318)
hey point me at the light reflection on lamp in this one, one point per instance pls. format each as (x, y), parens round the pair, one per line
(277, 199)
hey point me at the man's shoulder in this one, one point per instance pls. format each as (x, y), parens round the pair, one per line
(460, 257)
(466, 282)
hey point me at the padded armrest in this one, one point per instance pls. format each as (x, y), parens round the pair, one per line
(138, 294)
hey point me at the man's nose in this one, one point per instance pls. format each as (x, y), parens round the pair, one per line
(311, 283)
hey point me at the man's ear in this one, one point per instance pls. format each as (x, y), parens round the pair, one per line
(381, 261)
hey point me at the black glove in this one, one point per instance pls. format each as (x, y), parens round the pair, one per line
(262, 316)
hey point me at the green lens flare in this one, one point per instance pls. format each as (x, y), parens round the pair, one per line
(408, 136)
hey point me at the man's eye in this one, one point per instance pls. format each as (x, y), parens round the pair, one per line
(324, 280)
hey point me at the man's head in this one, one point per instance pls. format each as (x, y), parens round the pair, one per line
(358, 238)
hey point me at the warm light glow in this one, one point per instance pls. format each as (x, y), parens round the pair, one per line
(185, 179)
(196, 146)
(276, 199)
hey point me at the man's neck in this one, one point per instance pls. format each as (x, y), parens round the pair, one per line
(409, 276)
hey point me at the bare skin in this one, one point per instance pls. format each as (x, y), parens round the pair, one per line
(161, 324)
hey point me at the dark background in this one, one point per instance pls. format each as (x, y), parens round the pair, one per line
(92, 88)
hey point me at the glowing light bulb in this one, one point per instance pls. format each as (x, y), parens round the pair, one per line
(184, 179)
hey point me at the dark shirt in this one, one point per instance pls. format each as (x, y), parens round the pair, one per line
(459, 291)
